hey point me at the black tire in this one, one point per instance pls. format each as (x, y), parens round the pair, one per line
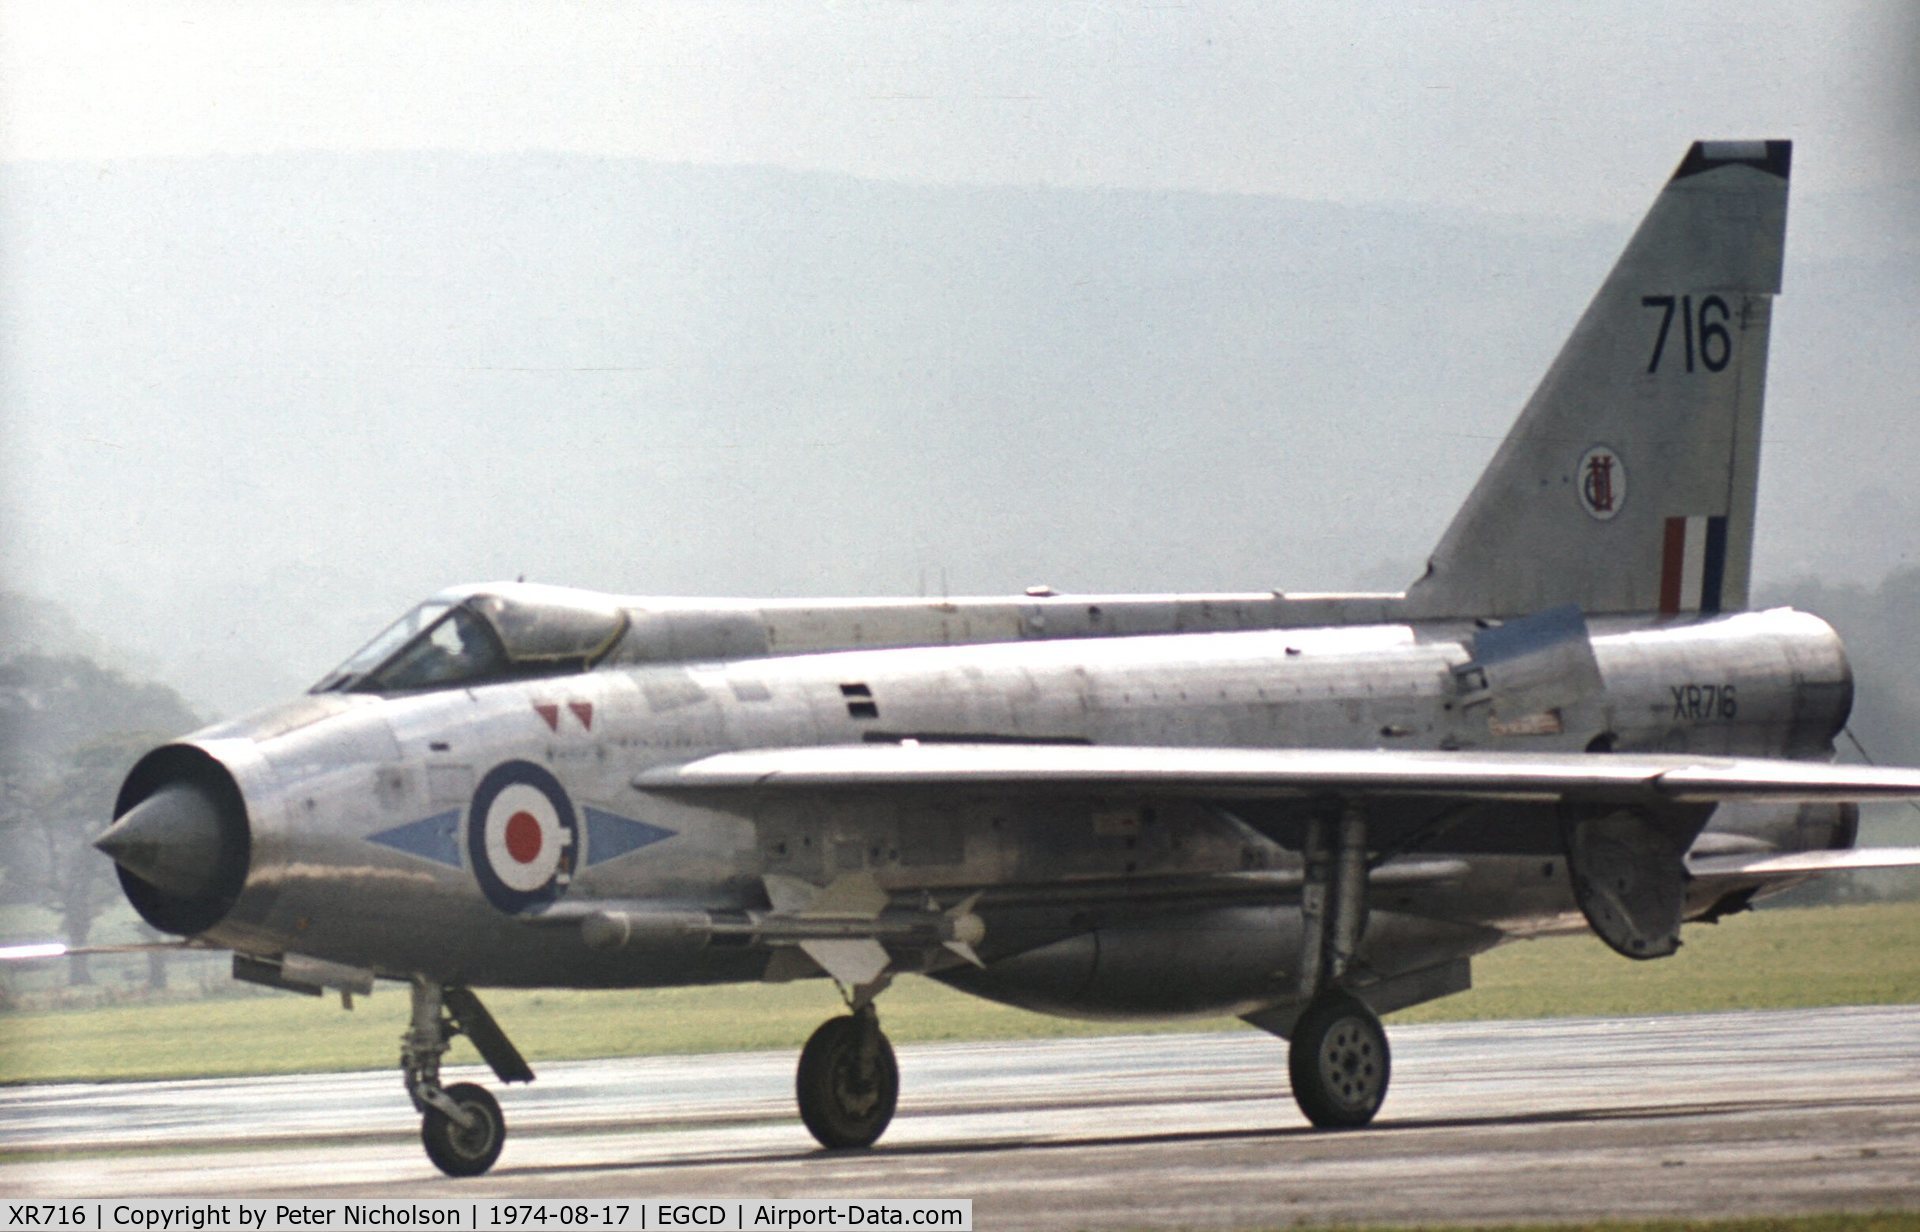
(843, 1106)
(1339, 1062)
(465, 1152)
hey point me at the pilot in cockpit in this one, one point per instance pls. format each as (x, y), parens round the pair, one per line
(470, 637)
(457, 650)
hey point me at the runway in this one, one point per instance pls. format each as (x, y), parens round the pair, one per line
(1703, 1115)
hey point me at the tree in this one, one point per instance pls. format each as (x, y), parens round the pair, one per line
(70, 729)
(1877, 626)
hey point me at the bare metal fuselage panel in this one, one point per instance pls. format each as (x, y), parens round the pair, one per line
(348, 864)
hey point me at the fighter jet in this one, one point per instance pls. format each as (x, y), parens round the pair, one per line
(1305, 810)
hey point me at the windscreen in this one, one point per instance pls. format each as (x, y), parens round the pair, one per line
(512, 633)
(382, 647)
(456, 649)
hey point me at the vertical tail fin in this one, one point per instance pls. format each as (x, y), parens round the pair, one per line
(1627, 485)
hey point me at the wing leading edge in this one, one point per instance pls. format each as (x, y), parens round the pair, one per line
(1793, 865)
(1236, 773)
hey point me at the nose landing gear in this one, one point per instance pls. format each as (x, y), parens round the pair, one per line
(461, 1126)
(463, 1149)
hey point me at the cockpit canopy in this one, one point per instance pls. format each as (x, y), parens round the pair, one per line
(476, 635)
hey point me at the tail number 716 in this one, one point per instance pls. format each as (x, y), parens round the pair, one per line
(1703, 332)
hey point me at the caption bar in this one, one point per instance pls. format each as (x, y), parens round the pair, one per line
(697, 1214)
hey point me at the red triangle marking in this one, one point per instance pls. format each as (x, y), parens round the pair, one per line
(550, 712)
(584, 712)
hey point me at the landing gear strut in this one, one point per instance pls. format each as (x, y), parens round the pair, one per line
(461, 1126)
(848, 1082)
(1337, 1054)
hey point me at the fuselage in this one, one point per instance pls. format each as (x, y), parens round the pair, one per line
(363, 813)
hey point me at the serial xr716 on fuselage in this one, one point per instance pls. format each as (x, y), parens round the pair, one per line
(1304, 810)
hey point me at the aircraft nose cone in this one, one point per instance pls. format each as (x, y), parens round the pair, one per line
(170, 840)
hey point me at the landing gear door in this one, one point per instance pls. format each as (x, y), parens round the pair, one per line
(1629, 873)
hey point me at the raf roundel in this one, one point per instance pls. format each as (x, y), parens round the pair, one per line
(523, 836)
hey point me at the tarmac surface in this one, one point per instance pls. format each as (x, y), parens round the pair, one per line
(1688, 1116)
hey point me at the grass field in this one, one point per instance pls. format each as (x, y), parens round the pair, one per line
(1776, 959)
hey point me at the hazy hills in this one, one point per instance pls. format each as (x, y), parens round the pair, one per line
(254, 407)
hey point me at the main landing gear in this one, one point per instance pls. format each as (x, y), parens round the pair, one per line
(461, 1126)
(1337, 1054)
(1339, 1062)
(848, 1082)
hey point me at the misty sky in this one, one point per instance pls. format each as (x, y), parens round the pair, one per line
(1561, 120)
(1438, 102)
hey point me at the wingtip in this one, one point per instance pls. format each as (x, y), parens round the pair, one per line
(28, 953)
(1772, 157)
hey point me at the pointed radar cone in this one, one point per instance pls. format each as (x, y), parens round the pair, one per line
(170, 840)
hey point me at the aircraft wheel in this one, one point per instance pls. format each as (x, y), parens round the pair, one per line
(465, 1152)
(1339, 1062)
(847, 1083)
